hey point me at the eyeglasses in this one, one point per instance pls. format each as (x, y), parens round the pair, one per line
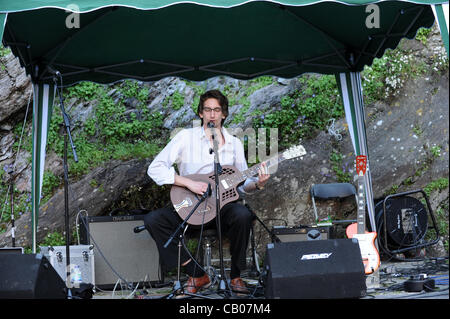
(208, 109)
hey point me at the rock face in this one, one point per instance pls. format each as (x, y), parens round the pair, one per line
(85, 197)
(407, 140)
(15, 87)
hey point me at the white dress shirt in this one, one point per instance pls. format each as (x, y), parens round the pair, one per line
(189, 150)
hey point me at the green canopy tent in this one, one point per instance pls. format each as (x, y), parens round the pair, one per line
(104, 42)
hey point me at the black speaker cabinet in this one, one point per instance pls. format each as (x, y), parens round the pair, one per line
(133, 256)
(29, 276)
(316, 269)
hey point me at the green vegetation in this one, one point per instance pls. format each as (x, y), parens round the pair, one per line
(253, 86)
(49, 183)
(422, 35)
(112, 133)
(53, 239)
(341, 170)
(441, 215)
(388, 74)
(435, 150)
(3, 52)
(305, 112)
(439, 184)
(441, 212)
(199, 89)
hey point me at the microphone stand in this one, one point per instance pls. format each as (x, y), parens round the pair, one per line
(178, 288)
(183, 224)
(66, 180)
(13, 218)
(223, 284)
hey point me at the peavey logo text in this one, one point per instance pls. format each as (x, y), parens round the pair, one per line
(316, 256)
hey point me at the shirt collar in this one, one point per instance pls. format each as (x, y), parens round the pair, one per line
(224, 131)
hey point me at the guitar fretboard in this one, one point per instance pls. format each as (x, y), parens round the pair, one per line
(252, 171)
(361, 214)
(236, 177)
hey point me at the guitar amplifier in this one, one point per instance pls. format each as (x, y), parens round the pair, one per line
(301, 233)
(118, 250)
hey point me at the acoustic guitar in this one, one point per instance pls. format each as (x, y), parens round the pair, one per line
(183, 200)
(366, 240)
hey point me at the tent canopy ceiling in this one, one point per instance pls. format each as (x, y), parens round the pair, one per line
(196, 42)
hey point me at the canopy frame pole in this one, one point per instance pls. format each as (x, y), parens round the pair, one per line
(337, 67)
(67, 40)
(326, 36)
(208, 68)
(21, 44)
(385, 36)
(273, 69)
(184, 68)
(308, 62)
(388, 34)
(11, 34)
(441, 18)
(81, 70)
(43, 97)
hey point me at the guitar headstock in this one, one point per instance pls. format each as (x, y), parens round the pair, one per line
(361, 165)
(294, 151)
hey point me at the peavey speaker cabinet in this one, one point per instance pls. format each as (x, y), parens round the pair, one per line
(318, 269)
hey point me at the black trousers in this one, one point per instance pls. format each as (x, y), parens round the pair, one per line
(235, 221)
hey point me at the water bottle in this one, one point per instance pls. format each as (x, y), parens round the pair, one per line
(75, 278)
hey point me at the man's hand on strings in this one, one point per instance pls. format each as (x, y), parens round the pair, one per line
(197, 187)
(263, 175)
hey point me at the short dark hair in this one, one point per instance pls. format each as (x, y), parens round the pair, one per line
(214, 94)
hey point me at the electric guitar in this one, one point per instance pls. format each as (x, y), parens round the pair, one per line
(366, 240)
(183, 200)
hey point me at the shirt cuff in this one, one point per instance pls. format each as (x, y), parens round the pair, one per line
(167, 177)
(248, 186)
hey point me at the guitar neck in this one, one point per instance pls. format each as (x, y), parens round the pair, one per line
(238, 177)
(252, 171)
(361, 214)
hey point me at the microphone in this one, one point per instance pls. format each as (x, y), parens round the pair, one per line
(53, 71)
(210, 125)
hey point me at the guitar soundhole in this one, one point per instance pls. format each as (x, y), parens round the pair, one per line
(228, 194)
(225, 171)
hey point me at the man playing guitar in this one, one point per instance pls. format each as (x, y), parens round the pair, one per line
(190, 151)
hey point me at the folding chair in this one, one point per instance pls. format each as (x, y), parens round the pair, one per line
(332, 191)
